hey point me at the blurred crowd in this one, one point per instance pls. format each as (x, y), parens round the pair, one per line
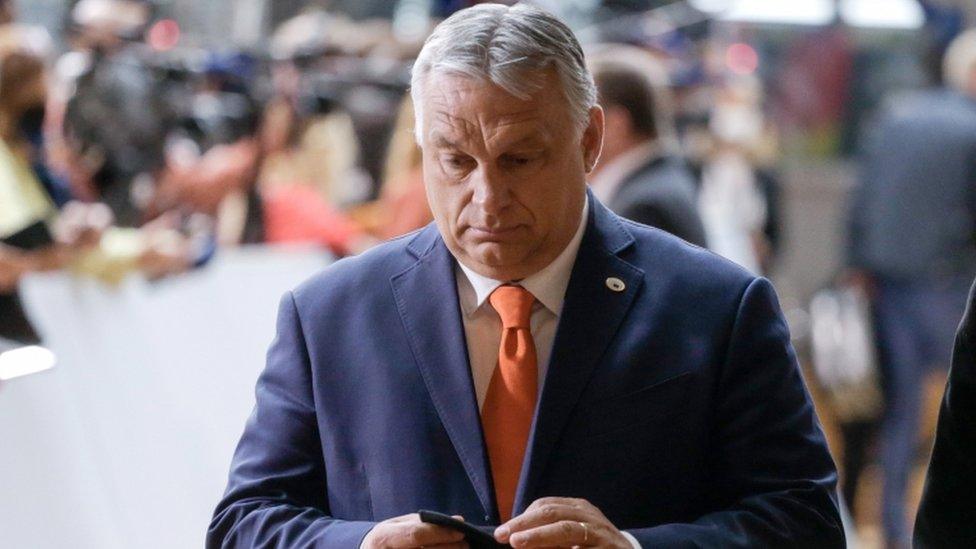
(127, 152)
(124, 151)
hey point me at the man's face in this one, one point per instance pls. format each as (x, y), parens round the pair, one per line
(505, 177)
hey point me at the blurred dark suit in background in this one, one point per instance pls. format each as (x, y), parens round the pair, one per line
(912, 236)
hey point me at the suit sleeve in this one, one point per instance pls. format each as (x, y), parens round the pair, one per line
(773, 481)
(947, 513)
(276, 493)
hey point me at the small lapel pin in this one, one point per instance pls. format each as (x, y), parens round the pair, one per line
(615, 284)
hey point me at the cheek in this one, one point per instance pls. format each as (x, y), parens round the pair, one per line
(446, 198)
(551, 197)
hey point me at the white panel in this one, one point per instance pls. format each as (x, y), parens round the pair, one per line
(893, 14)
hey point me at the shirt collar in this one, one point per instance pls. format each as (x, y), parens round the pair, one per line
(547, 285)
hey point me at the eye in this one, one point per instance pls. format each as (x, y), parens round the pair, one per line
(518, 160)
(456, 161)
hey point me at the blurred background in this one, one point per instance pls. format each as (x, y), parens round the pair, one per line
(168, 168)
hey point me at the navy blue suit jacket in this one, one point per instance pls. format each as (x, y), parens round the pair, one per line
(675, 406)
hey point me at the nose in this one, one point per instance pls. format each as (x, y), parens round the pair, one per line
(492, 193)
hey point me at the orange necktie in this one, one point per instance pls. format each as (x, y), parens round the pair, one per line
(507, 411)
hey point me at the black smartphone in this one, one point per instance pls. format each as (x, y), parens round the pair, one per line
(478, 537)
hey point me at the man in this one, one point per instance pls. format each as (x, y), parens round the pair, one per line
(947, 514)
(531, 361)
(116, 121)
(912, 245)
(637, 177)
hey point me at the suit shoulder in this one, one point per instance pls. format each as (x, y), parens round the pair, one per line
(662, 254)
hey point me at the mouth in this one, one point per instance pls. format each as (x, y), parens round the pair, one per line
(493, 233)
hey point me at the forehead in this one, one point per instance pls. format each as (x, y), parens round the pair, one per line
(461, 107)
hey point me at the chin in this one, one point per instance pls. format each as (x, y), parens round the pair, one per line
(497, 264)
(499, 255)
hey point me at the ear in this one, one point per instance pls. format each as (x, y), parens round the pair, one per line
(592, 141)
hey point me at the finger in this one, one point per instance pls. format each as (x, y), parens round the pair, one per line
(553, 500)
(547, 513)
(561, 534)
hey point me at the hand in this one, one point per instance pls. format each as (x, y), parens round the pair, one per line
(167, 253)
(81, 225)
(201, 184)
(409, 531)
(561, 522)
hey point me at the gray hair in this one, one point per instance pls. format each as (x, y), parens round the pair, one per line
(509, 47)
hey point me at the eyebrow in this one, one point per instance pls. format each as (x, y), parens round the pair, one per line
(441, 140)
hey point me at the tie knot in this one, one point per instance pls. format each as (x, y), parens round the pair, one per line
(514, 305)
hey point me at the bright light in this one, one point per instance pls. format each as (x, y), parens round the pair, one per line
(889, 14)
(794, 12)
(711, 6)
(742, 58)
(24, 361)
(164, 35)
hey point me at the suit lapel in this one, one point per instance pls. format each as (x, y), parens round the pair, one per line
(592, 313)
(426, 298)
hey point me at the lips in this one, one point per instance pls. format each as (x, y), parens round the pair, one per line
(493, 233)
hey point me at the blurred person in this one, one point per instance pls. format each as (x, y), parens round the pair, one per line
(733, 207)
(213, 157)
(116, 120)
(638, 177)
(746, 132)
(309, 157)
(30, 237)
(295, 210)
(671, 410)
(912, 246)
(322, 152)
(113, 115)
(402, 205)
(947, 512)
(36, 43)
(319, 145)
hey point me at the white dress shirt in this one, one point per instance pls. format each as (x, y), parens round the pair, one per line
(483, 326)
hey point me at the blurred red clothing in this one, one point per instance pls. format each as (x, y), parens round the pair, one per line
(297, 213)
